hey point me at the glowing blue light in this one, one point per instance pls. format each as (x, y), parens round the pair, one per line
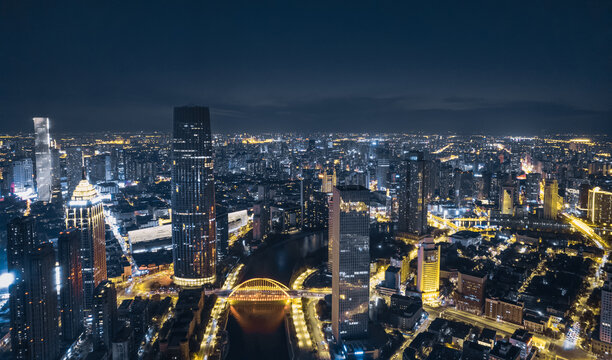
(6, 280)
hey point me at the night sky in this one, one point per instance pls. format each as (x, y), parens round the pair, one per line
(501, 67)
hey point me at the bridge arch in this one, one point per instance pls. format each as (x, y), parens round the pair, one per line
(260, 289)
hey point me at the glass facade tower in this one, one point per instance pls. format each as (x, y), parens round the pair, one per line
(43, 158)
(350, 241)
(193, 198)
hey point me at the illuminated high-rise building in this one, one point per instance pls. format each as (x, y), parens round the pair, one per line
(33, 296)
(350, 241)
(506, 200)
(599, 206)
(84, 212)
(328, 181)
(193, 198)
(71, 283)
(23, 176)
(413, 195)
(532, 188)
(428, 271)
(551, 199)
(104, 315)
(44, 166)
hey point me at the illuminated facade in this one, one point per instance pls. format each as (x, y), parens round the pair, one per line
(350, 240)
(599, 208)
(506, 201)
(71, 283)
(413, 195)
(193, 198)
(428, 272)
(33, 297)
(84, 212)
(551, 199)
(43, 158)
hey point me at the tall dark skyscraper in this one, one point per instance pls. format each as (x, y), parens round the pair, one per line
(84, 212)
(33, 296)
(104, 315)
(21, 239)
(350, 250)
(71, 283)
(413, 195)
(193, 198)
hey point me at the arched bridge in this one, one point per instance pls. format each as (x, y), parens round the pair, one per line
(263, 290)
(260, 289)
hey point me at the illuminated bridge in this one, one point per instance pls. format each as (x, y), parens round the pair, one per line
(263, 290)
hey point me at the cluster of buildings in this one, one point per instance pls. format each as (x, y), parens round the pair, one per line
(485, 219)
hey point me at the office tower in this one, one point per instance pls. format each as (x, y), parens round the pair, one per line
(23, 176)
(105, 322)
(84, 212)
(599, 206)
(74, 166)
(382, 174)
(428, 272)
(261, 220)
(33, 296)
(56, 181)
(21, 239)
(328, 181)
(43, 158)
(506, 200)
(193, 198)
(330, 231)
(413, 196)
(532, 188)
(350, 241)
(71, 283)
(222, 228)
(551, 199)
(470, 292)
(41, 294)
(605, 326)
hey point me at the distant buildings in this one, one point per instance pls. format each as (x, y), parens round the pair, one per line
(193, 198)
(43, 159)
(84, 212)
(599, 209)
(428, 272)
(33, 297)
(350, 239)
(413, 195)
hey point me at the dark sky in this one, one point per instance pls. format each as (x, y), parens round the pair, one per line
(511, 67)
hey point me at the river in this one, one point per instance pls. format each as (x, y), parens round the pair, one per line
(257, 332)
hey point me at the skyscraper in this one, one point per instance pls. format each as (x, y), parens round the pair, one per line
(599, 206)
(428, 272)
(23, 176)
(21, 239)
(193, 198)
(42, 315)
(350, 241)
(43, 158)
(84, 212)
(551, 199)
(532, 188)
(506, 200)
(104, 315)
(413, 196)
(33, 297)
(71, 283)
(605, 327)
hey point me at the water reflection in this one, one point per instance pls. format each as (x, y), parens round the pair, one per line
(261, 318)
